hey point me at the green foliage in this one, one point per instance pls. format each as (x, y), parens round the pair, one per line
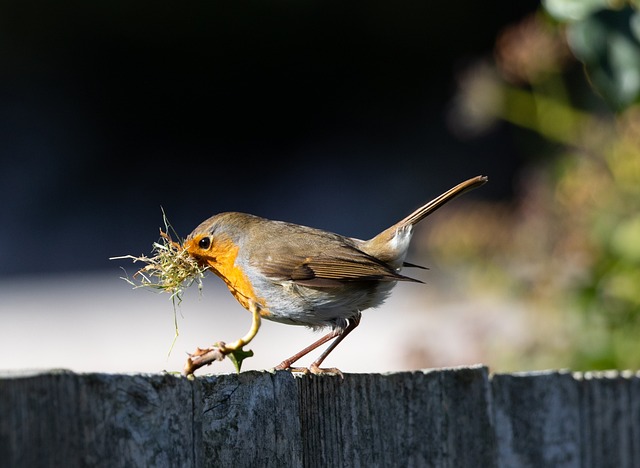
(605, 37)
(571, 248)
(607, 41)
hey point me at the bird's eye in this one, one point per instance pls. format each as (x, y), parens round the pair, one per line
(204, 243)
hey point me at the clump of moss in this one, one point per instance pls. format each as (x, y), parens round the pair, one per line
(169, 267)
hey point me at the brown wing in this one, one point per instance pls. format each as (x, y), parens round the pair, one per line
(331, 267)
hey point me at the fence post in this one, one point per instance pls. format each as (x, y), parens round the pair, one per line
(449, 417)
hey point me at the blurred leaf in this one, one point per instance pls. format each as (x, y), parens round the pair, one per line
(634, 25)
(626, 240)
(573, 10)
(607, 43)
(621, 284)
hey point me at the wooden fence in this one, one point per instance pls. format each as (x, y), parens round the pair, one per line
(459, 417)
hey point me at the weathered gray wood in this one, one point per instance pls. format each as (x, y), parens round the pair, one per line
(449, 417)
(610, 417)
(250, 419)
(64, 419)
(568, 420)
(537, 419)
(433, 418)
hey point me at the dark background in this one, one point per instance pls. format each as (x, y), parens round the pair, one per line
(330, 114)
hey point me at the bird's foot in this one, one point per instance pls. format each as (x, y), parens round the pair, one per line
(313, 369)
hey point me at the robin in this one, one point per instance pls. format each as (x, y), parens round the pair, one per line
(299, 275)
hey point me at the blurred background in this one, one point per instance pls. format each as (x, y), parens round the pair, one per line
(339, 116)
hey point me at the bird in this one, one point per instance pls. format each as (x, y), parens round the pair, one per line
(299, 275)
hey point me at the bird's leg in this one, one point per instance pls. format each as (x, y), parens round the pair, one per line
(217, 352)
(315, 366)
(286, 364)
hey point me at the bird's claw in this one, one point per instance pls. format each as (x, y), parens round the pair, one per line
(313, 369)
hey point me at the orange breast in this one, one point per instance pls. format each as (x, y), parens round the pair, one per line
(221, 258)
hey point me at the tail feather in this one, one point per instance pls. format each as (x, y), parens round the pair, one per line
(413, 265)
(391, 244)
(425, 210)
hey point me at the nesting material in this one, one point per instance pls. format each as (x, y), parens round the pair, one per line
(169, 268)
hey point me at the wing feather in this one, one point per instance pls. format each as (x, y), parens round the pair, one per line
(333, 267)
